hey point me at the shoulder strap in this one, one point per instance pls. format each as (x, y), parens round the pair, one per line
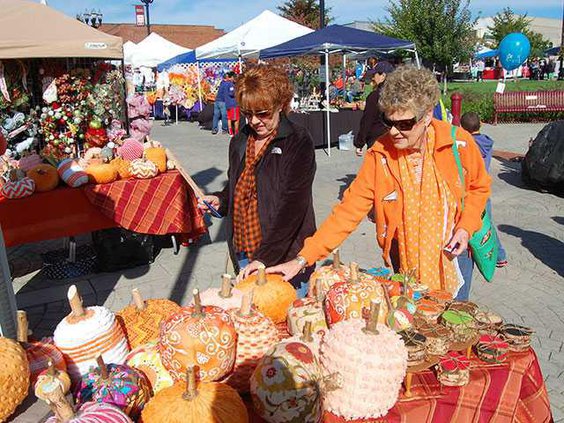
(457, 159)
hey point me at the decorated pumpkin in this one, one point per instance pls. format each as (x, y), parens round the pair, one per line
(29, 161)
(351, 300)
(131, 149)
(198, 335)
(116, 384)
(72, 174)
(305, 310)
(272, 294)
(156, 154)
(286, 384)
(53, 374)
(372, 362)
(18, 188)
(147, 359)
(14, 377)
(143, 169)
(196, 402)
(256, 334)
(122, 167)
(45, 176)
(103, 173)
(328, 276)
(141, 321)
(87, 333)
(225, 297)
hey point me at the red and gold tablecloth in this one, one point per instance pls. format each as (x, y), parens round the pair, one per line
(161, 205)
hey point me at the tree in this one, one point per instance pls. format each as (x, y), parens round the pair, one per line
(304, 12)
(441, 29)
(506, 22)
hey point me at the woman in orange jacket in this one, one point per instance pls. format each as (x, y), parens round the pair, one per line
(411, 178)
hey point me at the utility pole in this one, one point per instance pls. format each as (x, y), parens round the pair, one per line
(561, 71)
(147, 3)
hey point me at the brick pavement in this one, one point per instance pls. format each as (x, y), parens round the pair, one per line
(528, 291)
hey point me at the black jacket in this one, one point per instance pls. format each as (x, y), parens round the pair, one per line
(371, 125)
(284, 178)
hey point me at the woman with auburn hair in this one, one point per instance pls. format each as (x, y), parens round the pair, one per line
(424, 214)
(268, 199)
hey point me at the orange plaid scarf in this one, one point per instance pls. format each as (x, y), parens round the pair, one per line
(247, 234)
(428, 219)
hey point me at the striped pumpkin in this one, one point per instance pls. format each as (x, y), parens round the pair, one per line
(95, 412)
(72, 174)
(18, 189)
(143, 169)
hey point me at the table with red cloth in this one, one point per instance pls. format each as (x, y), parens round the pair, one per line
(513, 391)
(161, 205)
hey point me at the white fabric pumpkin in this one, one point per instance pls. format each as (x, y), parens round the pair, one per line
(143, 169)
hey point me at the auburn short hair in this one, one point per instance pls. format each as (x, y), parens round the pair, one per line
(264, 87)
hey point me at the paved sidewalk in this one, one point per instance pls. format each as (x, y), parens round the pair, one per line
(529, 291)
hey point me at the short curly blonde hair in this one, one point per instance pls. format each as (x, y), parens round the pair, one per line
(409, 89)
(264, 87)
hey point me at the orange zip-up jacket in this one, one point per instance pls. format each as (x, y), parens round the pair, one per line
(377, 185)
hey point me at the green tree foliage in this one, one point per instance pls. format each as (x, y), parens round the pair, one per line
(304, 12)
(506, 22)
(441, 29)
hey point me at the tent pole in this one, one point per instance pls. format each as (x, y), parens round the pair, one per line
(8, 306)
(345, 76)
(177, 114)
(327, 112)
(125, 109)
(199, 85)
(416, 57)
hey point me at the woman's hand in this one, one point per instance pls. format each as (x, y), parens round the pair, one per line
(288, 270)
(248, 270)
(458, 243)
(213, 200)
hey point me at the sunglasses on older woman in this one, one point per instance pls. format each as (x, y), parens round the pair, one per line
(401, 124)
(261, 114)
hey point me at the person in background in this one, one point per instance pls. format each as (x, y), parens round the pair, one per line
(471, 122)
(219, 107)
(367, 77)
(354, 88)
(268, 201)
(480, 67)
(232, 108)
(371, 124)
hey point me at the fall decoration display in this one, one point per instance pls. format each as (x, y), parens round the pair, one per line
(272, 294)
(328, 276)
(196, 402)
(54, 375)
(29, 161)
(87, 333)
(461, 324)
(351, 300)
(45, 177)
(156, 154)
(441, 297)
(487, 322)
(225, 297)
(286, 384)
(122, 167)
(518, 337)
(372, 362)
(39, 353)
(18, 188)
(14, 373)
(130, 150)
(438, 338)
(71, 173)
(141, 321)
(147, 359)
(416, 347)
(310, 310)
(491, 349)
(466, 306)
(116, 384)
(256, 334)
(103, 173)
(143, 169)
(429, 310)
(198, 335)
(454, 369)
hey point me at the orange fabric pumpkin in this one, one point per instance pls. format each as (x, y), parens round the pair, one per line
(14, 373)
(141, 321)
(45, 176)
(198, 335)
(122, 167)
(157, 155)
(272, 294)
(103, 173)
(196, 402)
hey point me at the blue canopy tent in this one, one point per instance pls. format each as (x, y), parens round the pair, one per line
(337, 39)
(554, 51)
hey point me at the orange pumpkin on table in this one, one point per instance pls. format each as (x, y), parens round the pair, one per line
(122, 167)
(198, 335)
(45, 176)
(103, 173)
(272, 294)
(156, 154)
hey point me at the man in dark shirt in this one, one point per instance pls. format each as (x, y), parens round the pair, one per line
(371, 124)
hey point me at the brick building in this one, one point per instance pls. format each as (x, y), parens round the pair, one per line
(189, 36)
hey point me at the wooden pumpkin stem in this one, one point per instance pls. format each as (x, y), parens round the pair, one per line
(261, 278)
(138, 299)
(198, 309)
(336, 259)
(191, 387)
(372, 322)
(307, 332)
(51, 371)
(354, 272)
(23, 326)
(103, 367)
(225, 286)
(75, 301)
(246, 303)
(56, 399)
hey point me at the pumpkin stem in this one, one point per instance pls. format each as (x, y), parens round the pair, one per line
(138, 299)
(103, 367)
(191, 387)
(51, 368)
(336, 259)
(307, 332)
(261, 278)
(198, 310)
(225, 286)
(54, 396)
(372, 322)
(23, 326)
(354, 272)
(75, 301)
(246, 303)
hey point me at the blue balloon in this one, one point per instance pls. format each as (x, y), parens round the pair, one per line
(514, 49)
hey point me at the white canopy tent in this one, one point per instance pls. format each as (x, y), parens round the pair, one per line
(266, 30)
(153, 50)
(129, 49)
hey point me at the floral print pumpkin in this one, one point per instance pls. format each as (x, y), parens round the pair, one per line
(147, 359)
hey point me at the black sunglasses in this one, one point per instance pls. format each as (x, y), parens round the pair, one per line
(262, 114)
(400, 125)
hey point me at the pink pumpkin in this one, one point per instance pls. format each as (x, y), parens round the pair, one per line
(131, 149)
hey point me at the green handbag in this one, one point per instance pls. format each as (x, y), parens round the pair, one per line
(483, 243)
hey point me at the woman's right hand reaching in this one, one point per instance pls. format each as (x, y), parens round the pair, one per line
(213, 200)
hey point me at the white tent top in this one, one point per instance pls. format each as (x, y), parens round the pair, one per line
(153, 50)
(266, 30)
(129, 48)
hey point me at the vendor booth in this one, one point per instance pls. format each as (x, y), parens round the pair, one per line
(153, 50)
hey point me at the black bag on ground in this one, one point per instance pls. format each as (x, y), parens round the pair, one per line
(118, 249)
(543, 166)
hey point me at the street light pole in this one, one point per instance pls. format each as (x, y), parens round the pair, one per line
(147, 3)
(561, 71)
